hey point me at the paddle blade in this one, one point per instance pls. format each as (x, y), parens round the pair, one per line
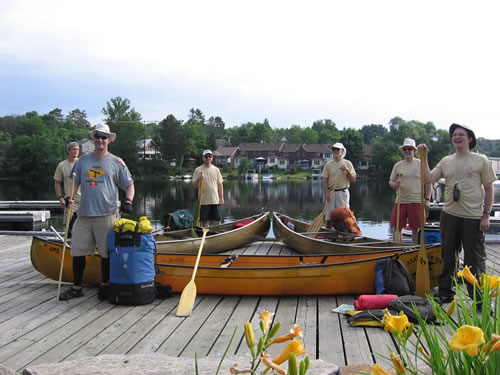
(423, 283)
(397, 235)
(186, 301)
(316, 224)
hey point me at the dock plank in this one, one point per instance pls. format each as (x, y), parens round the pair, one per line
(35, 328)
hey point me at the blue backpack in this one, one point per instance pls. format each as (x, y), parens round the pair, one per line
(132, 268)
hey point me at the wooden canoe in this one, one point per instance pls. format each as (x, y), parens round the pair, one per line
(294, 234)
(284, 275)
(221, 237)
(250, 274)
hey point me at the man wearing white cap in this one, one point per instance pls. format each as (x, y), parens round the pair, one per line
(99, 174)
(212, 191)
(63, 175)
(406, 178)
(337, 175)
(467, 206)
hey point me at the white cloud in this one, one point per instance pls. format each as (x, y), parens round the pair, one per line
(292, 62)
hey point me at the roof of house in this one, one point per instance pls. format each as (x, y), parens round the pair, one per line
(260, 146)
(225, 151)
(318, 147)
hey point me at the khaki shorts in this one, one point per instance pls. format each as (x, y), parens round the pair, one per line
(89, 233)
(339, 199)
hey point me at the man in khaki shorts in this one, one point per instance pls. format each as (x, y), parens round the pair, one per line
(99, 175)
(63, 175)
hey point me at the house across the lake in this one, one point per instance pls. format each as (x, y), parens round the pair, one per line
(282, 155)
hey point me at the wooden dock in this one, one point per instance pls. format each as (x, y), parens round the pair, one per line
(35, 328)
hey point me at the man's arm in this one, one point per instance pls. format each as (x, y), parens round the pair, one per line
(129, 193)
(220, 189)
(488, 204)
(57, 188)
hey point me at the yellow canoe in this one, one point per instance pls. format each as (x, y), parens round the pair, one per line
(284, 275)
(220, 237)
(249, 274)
(294, 234)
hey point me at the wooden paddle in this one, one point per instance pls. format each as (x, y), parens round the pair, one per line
(188, 295)
(423, 282)
(199, 203)
(65, 240)
(397, 229)
(318, 221)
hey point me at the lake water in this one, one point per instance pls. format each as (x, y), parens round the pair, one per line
(371, 200)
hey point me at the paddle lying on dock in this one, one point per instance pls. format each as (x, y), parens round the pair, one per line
(188, 295)
(422, 285)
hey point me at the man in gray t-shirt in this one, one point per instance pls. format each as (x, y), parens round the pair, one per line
(99, 175)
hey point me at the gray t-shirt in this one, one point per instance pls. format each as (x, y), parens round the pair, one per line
(99, 180)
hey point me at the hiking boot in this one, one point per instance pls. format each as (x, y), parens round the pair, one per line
(71, 293)
(103, 292)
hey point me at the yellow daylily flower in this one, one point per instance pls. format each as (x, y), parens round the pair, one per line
(467, 275)
(266, 318)
(396, 323)
(275, 366)
(452, 307)
(294, 332)
(234, 370)
(492, 346)
(249, 335)
(493, 282)
(377, 370)
(467, 338)
(293, 346)
(396, 360)
(421, 350)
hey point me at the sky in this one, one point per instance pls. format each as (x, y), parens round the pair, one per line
(290, 62)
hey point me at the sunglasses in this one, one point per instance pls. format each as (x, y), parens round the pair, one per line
(208, 156)
(407, 149)
(336, 149)
(102, 137)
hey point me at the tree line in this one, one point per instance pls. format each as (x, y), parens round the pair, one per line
(33, 144)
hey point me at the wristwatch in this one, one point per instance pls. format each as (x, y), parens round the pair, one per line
(487, 212)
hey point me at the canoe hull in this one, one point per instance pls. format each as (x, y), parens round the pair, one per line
(249, 274)
(304, 275)
(229, 238)
(297, 240)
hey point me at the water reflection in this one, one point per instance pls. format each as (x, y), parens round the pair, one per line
(370, 200)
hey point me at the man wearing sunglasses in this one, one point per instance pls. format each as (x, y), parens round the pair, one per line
(99, 174)
(405, 178)
(212, 191)
(468, 200)
(337, 175)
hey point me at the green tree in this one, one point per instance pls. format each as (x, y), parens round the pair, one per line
(170, 140)
(372, 131)
(79, 118)
(244, 165)
(353, 141)
(126, 123)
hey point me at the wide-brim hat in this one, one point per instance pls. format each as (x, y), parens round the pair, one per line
(470, 133)
(102, 128)
(408, 142)
(340, 146)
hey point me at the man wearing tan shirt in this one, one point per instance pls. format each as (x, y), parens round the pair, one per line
(212, 191)
(337, 176)
(467, 206)
(405, 178)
